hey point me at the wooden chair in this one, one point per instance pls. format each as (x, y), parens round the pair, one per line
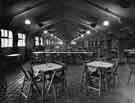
(131, 71)
(91, 80)
(113, 75)
(83, 75)
(60, 79)
(58, 83)
(29, 83)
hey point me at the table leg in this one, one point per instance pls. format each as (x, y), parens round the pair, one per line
(51, 81)
(43, 89)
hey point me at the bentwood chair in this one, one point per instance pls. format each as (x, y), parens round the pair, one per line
(30, 82)
(83, 74)
(83, 78)
(113, 75)
(60, 81)
(131, 65)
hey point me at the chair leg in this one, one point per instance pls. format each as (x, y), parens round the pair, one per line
(129, 78)
(54, 93)
(83, 81)
(37, 88)
(66, 90)
(118, 79)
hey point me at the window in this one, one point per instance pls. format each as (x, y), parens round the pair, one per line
(47, 42)
(21, 40)
(38, 41)
(41, 41)
(6, 38)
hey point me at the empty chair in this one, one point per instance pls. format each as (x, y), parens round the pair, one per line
(60, 81)
(91, 80)
(30, 82)
(131, 66)
(113, 74)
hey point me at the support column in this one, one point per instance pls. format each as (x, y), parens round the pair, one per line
(29, 46)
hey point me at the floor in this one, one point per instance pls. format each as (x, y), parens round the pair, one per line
(122, 93)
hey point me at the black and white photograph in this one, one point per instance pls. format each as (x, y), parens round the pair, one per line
(67, 51)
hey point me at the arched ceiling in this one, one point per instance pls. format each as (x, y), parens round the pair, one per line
(67, 19)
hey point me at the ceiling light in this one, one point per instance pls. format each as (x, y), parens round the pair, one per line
(27, 22)
(45, 31)
(60, 42)
(73, 42)
(88, 32)
(82, 35)
(51, 35)
(106, 23)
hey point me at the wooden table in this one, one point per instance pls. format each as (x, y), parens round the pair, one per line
(45, 68)
(102, 67)
(100, 64)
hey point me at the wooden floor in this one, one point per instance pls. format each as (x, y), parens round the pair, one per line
(123, 93)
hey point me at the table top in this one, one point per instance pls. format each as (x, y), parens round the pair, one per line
(101, 64)
(46, 67)
(13, 55)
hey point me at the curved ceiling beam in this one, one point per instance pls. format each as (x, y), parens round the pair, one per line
(42, 2)
(105, 10)
(82, 22)
(79, 12)
(46, 24)
(26, 10)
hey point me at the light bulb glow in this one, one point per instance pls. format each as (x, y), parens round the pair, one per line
(106, 23)
(82, 35)
(45, 31)
(51, 35)
(27, 22)
(88, 32)
(60, 42)
(73, 42)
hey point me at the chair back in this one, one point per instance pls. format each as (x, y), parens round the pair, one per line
(27, 70)
(131, 63)
(116, 65)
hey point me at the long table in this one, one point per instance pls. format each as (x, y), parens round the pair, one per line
(66, 57)
(45, 68)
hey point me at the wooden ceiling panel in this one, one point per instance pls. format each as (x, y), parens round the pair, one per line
(72, 16)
